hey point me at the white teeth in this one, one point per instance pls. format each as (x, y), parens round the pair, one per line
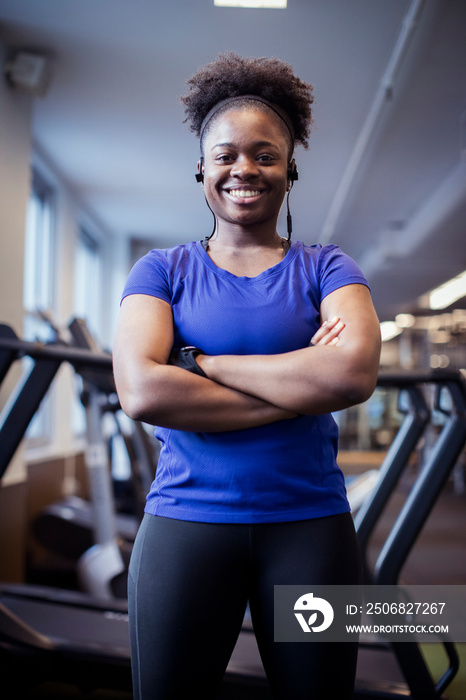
(245, 193)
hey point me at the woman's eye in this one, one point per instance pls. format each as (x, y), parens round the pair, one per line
(224, 158)
(265, 158)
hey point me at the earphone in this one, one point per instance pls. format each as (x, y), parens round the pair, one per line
(200, 175)
(292, 177)
(292, 171)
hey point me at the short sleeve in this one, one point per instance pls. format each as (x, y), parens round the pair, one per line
(336, 269)
(149, 276)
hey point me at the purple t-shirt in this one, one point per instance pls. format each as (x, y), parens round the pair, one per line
(279, 472)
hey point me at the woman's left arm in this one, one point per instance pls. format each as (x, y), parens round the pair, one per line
(324, 377)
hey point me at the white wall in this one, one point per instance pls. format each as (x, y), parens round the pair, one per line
(15, 156)
(69, 218)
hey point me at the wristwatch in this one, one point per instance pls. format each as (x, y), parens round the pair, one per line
(185, 358)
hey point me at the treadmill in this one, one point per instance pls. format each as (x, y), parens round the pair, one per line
(450, 400)
(71, 527)
(55, 634)
(52, 635)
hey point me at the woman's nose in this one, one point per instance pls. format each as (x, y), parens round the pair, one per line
(244, 168)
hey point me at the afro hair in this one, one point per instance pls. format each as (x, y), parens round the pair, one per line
(231, 75)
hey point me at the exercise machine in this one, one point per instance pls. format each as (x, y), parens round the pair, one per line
(56, 635)
(450, 399)
(93, 535)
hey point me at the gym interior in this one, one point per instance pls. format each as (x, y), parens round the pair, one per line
(93, 152)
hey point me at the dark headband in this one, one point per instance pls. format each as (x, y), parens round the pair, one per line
(275, 108)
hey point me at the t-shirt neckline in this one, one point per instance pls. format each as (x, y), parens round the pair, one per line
(275, 269)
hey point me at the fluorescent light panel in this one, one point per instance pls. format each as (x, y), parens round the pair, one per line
(261, 4)
(389, 330)
(448, 293)
(405, 320)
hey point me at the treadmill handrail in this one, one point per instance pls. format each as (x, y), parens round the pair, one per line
(77, 357)
(30, 391)
(402, 378)
(395, 461)
(428, 485)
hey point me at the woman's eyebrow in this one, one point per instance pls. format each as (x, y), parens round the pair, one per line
(225, 144)
(256, 144)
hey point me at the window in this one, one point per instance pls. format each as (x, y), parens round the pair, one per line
(87, 281)
(87, 303)
(38, 290)
(38, 287)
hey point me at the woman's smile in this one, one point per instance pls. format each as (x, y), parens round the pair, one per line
(244, 193)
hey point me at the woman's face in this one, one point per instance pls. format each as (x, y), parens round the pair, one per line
(245, 167)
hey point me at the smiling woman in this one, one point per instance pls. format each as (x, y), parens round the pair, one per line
(238, 348)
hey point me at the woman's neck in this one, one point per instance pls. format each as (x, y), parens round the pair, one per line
(245, 253)
(238, 239)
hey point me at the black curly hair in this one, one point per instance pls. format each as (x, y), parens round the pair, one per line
(231, 75)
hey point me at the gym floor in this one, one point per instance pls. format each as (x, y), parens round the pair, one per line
(437, 558)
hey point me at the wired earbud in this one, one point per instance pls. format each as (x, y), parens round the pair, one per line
(200, 175)
(292, 171)
(200, 178)
(292, 177)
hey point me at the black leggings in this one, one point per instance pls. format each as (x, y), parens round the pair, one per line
(189, 585)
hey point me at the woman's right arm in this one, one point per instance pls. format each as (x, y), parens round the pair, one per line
(159, 394)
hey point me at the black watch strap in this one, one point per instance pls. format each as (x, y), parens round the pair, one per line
(185, 358)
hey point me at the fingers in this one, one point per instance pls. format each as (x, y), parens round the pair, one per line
(328, 332)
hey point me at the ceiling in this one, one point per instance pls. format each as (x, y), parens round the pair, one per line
(385, 174)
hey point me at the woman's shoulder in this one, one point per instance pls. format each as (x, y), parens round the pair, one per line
(168, 257)
(316, 249)
(157, 271)
(317, 252)
(322, 253)
(329, 261)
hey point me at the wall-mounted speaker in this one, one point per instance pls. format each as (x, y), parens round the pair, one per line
(28, 71)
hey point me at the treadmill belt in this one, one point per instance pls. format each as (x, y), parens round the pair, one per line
(95, 631)
(77, 626)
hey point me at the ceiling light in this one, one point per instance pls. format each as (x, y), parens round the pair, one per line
(389, 330)
(270, 4)
(405, 320)
(447, 293)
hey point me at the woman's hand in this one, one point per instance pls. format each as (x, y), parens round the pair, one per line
(328, 332)
(320, 378)
(326, 335)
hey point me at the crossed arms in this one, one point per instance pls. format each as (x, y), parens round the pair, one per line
(338, 370)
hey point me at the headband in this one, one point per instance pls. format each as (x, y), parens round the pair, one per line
(275, 108)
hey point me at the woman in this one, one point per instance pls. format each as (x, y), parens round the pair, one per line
(237, 348)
